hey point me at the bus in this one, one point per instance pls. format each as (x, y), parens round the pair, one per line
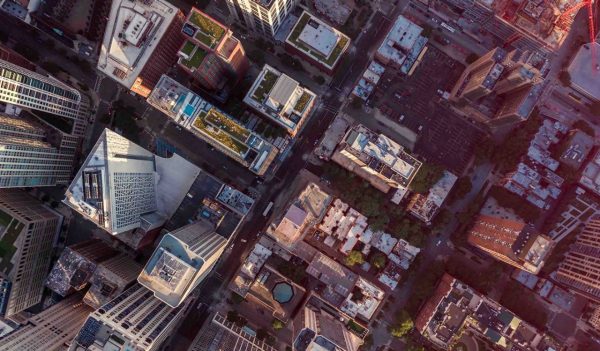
(268, 209)
(448, 28)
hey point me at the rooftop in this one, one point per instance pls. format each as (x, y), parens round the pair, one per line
(133, 31)
(235, 200)
(206, 30)
(280, 98)
(399, 41)
(212, 125)
(425, 207)
(318, 40)
(180, 260)
(122, 186)
(584, 75)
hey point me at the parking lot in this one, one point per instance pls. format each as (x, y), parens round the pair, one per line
(416, 102)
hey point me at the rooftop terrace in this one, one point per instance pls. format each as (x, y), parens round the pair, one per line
(318, 40)
(207, 31)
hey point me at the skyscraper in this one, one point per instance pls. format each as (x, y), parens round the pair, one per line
(580, 269)
(140, 42)
(41, 130)
(181, 261)
(51, 329)
(134, 320)
(122, 187)
(211, 54)
(263, 16)
(511, 241)
(28, 230)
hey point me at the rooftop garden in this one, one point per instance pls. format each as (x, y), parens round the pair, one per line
(335, 53)
(187, 48)
(265, 86)
(196, 59)
(302, 102)
(225, 123)
(219, 131)
(210, 32)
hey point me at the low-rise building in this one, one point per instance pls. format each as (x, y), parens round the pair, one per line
(122, 187)
(376, 158)
(181, 261)
(577, 150)
(212, 125)
(455, 311)
(211, 54)
(402, 45)
(511, 241)
(317, 42)
(576, 212)
(590, 177)
(426, 206)
(281, 99)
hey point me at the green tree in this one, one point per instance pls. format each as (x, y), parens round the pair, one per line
(426, 177)
(462, 187)
(354, 257)
(378, 260)
(404, 324)
(277, 324)
(261, 333)
(356, 103)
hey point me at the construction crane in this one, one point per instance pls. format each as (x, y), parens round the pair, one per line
(566, 20)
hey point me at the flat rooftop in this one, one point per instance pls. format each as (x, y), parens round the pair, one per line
(133, 31)
(584, 75)
(318, 40)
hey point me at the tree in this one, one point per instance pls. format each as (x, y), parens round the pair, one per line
(354, 257)
(565, 78)
(356, 103)
(404, 324)
(291, 62)
(462, 187)
(277, 324)
(261, 333)
(471, 58)
(236, 298)
(426, 177)
(378, 260)
(257, 56)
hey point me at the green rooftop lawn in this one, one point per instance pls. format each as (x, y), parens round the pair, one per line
(7, 248)
(196, 59)
(188, 48)
(341, 44)
(227, 124)
(219, 132)
(210, 32)
(302, 102)
(264, 87)
(4, 219)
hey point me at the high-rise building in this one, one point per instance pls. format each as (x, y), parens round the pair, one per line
(181, 261)
(134, 320)
(512, 79)
(122, 187)
(584, 71)
(28, 230)
(51, 329)
(74, 267)
(110, 278)
(56, 103)
(41, 130)
(580, 269)
(263, 16)
(281, 99)
(511, 241)
(211, 54)
(140, 42)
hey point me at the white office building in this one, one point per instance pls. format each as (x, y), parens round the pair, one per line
(181, 261)
(263, 16)
(122, 187)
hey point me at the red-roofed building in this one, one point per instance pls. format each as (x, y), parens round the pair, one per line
(429, 309)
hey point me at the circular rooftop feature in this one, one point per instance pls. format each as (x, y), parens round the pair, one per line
(283, 292)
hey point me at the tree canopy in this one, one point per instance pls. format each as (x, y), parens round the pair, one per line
(354, 257)
(378, 260)
(426, 177)
(404, 324)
